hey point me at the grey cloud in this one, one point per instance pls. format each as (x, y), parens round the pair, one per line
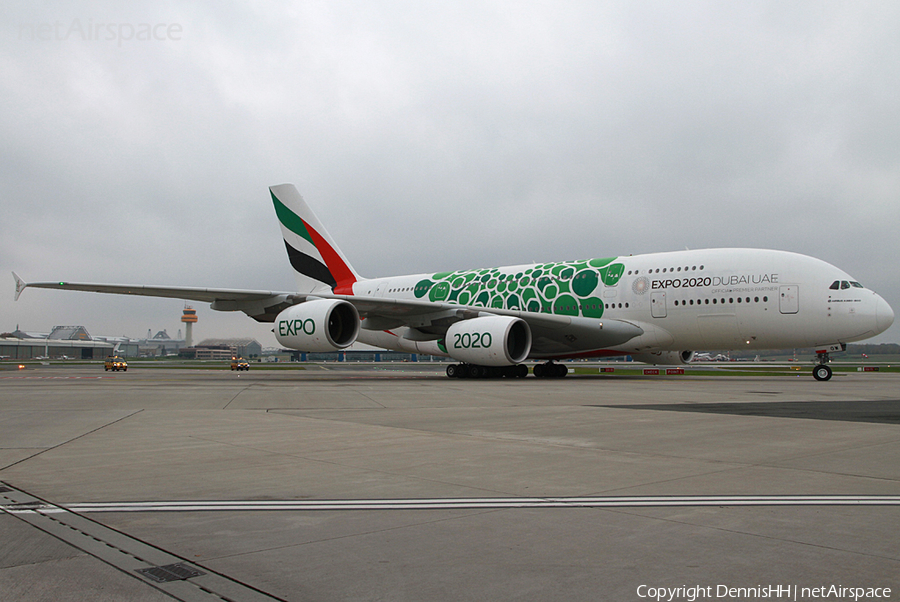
(431, 136)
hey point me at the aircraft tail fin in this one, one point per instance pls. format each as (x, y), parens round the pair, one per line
(315, 257)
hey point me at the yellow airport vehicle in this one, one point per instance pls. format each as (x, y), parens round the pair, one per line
(240, 364)
(115, 363)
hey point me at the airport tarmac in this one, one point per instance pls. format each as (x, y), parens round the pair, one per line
(345, 482)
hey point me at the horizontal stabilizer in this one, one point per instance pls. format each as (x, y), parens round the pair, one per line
(20, 285)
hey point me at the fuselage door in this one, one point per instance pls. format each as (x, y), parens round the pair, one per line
(658, 304)
(789, 299)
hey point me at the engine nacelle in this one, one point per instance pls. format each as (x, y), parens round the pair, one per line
(489, 341)
(665, 358)
(321, 325)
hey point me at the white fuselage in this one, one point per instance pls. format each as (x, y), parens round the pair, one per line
(722, 299)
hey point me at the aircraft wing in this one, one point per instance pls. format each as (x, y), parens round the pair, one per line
(553, 334)
(261, 305)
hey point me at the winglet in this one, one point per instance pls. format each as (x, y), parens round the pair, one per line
(20, 285)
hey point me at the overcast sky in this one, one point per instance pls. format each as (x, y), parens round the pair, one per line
(434, 136)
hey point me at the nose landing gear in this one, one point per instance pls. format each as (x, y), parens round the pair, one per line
(822, 372)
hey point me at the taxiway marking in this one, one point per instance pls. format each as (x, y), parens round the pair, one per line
(147, 563)
(469, 503)
(53, 377)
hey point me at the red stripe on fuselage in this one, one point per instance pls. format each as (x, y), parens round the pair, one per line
(585, 355)
(342, 273)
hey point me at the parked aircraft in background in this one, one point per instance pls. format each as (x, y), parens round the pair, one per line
(656, 307)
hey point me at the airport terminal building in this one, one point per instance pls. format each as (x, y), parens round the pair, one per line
(246, 348)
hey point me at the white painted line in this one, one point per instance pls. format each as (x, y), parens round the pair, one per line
(474, 503)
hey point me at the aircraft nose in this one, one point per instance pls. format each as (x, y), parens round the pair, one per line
(884, 315)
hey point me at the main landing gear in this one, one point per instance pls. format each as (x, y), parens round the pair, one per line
(547, 370)
(822, 371)
(550, 370)
(476, 371)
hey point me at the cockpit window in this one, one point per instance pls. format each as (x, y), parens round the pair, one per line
(844, 284)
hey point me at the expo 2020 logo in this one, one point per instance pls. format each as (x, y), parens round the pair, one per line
(640, 285)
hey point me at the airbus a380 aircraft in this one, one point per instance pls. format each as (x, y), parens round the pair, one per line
(656, 307)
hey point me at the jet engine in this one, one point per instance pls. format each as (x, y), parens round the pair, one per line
(321, 325)
(664, 358)
(489, 341)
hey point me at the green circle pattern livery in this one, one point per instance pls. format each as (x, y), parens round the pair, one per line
(570, 288)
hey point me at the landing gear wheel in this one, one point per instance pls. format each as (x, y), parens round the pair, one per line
(476, 371)
(822, 372)
(550, 370)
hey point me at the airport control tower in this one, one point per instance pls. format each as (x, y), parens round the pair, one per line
(189, 317)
